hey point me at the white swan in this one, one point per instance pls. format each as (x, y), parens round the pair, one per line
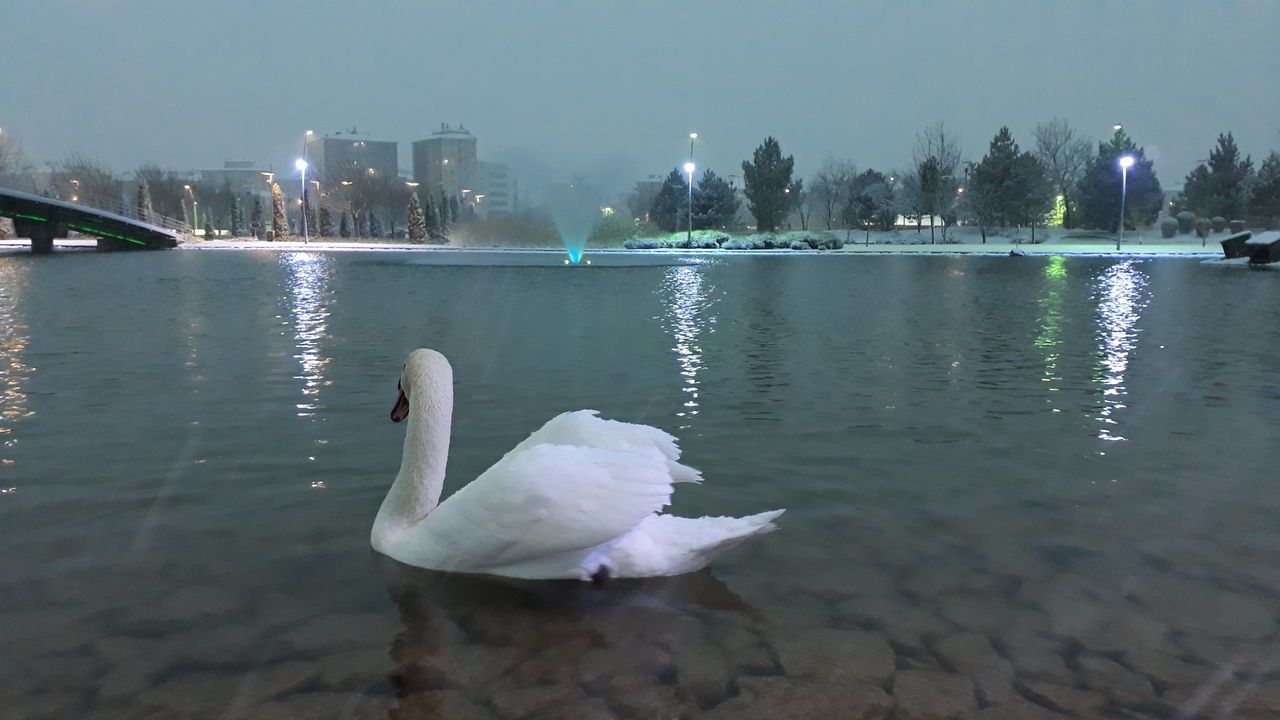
(577, 499)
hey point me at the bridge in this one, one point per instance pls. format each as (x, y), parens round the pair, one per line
(43, 219)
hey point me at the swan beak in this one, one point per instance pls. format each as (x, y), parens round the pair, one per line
(401, 408)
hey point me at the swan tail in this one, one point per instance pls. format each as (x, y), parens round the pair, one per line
(670, 545)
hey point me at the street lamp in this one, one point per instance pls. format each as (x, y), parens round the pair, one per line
(688, 167)
(302, 167)
(1126, 162)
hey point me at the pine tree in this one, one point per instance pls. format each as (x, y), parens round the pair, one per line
(417, 221)
(714, 204)
(1265, 203)
(145, 213)
(208, 228)
(1221, 186)
(1100, 187)
(257, 215)
(279, 221)
(237, 218)
(326, 217)
(344, 225)
(432, 220)
(445, 221)
(992, 181)
(454, 209)
(375, 225)
(313, 224)
(766, 179)
(668, 211)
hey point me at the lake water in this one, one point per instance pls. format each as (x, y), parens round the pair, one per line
(1016, 487)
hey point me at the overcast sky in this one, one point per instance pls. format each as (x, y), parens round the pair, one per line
(611, 89)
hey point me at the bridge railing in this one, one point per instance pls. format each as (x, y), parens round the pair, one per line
(129, 210)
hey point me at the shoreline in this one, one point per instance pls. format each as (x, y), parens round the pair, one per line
(1084, 248)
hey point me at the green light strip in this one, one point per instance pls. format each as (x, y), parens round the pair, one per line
(30, 217)
(92, 231)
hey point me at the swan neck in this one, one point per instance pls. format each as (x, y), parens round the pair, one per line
(416, 490)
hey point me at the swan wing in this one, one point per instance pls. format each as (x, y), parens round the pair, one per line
(585, 428)
(547, 503)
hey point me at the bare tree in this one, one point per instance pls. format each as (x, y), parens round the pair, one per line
(88, 182)
(14, 167)
(829, 188)
(798, 197)
(937, 171)
(1064, 156)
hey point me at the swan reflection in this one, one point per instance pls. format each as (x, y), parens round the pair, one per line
(308, 284)
(473, 640)
(687, 303)
(1121, 292)
(14, 373)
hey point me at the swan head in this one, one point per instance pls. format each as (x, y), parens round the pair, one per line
(424, 369)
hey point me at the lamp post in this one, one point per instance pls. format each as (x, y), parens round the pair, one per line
(688, 167)
(302, 167)
(1125, 163)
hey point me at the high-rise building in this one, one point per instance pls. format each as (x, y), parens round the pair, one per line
(446, 162)
(342, 156)
(496, 192)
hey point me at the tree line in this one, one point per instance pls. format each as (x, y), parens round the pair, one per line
(1062, 179)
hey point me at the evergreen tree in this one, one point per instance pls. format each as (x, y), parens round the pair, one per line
(1221, 186)
(454, 209)
(256, 216)
(992, 183)
(237, 218)
(344, 225)
(313, 224)
(145, 213)
(279, 221)
(208, 228)
(669, 210)
(766, 179)
(1265, 203)
(1032, 196)
(714, 203)
(417, 220)
(375, 225)
(445, 220)
(1101, 186)
(868, 203)
(326, 217)
(432, 220)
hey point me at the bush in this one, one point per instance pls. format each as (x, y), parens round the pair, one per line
(766, 242)
(1186, 221)
(1236, 226)
(1168, 228)
(742, 243)
(1203, 226)
(642, 243)
(612, 230)
(800, 245)
(1219, 223)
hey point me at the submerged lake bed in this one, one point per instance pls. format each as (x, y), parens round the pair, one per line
(1015, 487)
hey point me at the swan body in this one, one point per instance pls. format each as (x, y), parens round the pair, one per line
(578, 499)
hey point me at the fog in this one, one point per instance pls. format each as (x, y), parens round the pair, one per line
(608, 92)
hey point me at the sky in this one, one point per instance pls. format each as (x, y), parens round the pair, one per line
(607, 91)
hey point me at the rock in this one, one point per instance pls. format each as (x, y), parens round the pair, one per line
(1105, 628)
(836, 655)
(655, 701)
(1200, 606)
(924, 695)
(1040, 659)
(330, 633)
(967, 653)
(1115, 681)
(1015, 709)
(355, 671)
(1248, 657)
(901, 622)
(1069, 700)
(1167, 669)
(555, 665)
(600, 664)
(329, 706)
(515, 704)
(978, 612)
(703, 675)
(770, 698)
(480, 668)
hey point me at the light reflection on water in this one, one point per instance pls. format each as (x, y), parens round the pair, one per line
(1122, 296)
(687, 302)
(309, 297)
(14, 371)
(1049, 337)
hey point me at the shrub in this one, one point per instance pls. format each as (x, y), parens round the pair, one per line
(1168, 228)
(1186, 221)
(1236, 226)
(1219, 223)
(642, 243)
(766, 242)
(739, 243)
(800, 245)
(612, 230)
(1203, 225)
